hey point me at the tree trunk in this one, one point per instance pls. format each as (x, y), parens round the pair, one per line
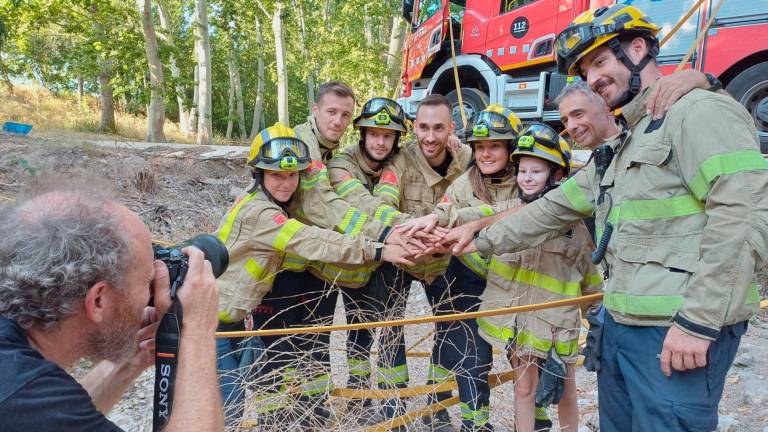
(282, 72)
(305, 55)
(239, 105)
(203, 48)
(396, 37)
(367, 28)
(231, 101)
(107, 120)
(156, 112)
(258, 105)
(181, 99)
(80, 89)
(195, 99)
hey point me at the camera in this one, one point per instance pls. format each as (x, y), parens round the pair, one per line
(178, 263)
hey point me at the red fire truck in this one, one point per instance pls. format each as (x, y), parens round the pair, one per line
(505, 51)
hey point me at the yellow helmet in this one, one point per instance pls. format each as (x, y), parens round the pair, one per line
(383, 113)
(594, 28)
(277, 148)
(494, 123)
(541, 141)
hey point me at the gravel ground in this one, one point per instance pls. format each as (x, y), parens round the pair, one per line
(178, 196)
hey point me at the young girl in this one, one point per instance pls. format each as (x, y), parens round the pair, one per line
(557, 269)
(262, 238)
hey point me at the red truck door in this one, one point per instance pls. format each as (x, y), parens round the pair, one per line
(426, 36)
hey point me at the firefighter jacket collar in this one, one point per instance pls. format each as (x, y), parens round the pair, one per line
(635, 110)
(432, 178)
(327, 146)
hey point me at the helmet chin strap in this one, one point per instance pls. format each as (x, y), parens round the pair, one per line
(635, 83)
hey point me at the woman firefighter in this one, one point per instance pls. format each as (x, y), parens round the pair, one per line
(557, 269)
(263, 238)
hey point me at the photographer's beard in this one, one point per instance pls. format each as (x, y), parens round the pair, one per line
(116, 340)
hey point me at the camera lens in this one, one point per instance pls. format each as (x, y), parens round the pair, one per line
(214, 251)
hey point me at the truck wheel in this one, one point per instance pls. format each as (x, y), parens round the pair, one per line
(750, 87)
(474, 101)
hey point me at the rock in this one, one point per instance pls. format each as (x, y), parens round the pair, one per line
(727, 424)
(744, 357)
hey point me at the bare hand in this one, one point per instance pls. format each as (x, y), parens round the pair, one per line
(682, 351)
(396, 254)
(144, 356)
(669, 89)
(411, 244)
(199, 294)
(461, 239)
(425, 224)
(454, 143)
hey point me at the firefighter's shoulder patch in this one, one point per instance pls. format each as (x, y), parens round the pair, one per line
(388, 177)
(315, 167)
(279, 218)
(445, 199)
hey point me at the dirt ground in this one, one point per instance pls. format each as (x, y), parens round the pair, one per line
(179, 196)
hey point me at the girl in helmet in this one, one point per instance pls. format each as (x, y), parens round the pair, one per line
(557, 269)
(263, 239)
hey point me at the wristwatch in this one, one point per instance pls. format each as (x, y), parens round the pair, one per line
(714, 83)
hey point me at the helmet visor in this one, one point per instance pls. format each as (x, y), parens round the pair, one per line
(383, 110)
(279, 148)
(486, 122)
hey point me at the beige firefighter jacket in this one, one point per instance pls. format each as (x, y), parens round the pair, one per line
(687, 199)
(317, 202)
(557, 269)
(421, 189)
(258, 236)
(460, 205)
(364, 187)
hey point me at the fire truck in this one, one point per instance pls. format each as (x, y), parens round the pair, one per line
(505, 51)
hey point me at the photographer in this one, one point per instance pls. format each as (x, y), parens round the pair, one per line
(76, 275)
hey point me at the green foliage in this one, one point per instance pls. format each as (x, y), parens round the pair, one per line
(55, 42)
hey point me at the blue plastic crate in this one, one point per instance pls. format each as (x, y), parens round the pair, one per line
(16, 128)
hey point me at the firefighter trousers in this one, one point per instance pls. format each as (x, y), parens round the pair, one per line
(459, 352)
(362, 305)
(634, 395)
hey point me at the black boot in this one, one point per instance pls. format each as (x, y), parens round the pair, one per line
(440, 422)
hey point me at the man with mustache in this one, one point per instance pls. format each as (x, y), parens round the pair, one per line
(76, 275)
(683, 214)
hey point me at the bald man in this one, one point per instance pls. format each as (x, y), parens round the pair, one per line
(76, 274)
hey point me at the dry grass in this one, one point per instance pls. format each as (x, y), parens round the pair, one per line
(65, 116)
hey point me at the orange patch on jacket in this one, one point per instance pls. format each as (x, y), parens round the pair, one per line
(445, 199)
(279, 218)
(315, 167)
(389, 177)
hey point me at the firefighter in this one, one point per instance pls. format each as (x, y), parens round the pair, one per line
(261, 235)
(421, 177)
(681, 212)
(489, 180)
(557, 269)
(355, 172)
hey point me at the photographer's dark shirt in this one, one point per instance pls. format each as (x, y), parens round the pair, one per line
(37, 395)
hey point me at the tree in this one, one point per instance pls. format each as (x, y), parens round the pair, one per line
(167, 37)
(203, 52)
(156, 114)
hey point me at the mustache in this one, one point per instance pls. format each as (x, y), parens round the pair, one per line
(600, 84)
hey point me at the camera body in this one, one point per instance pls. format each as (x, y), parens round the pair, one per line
(178, 263)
